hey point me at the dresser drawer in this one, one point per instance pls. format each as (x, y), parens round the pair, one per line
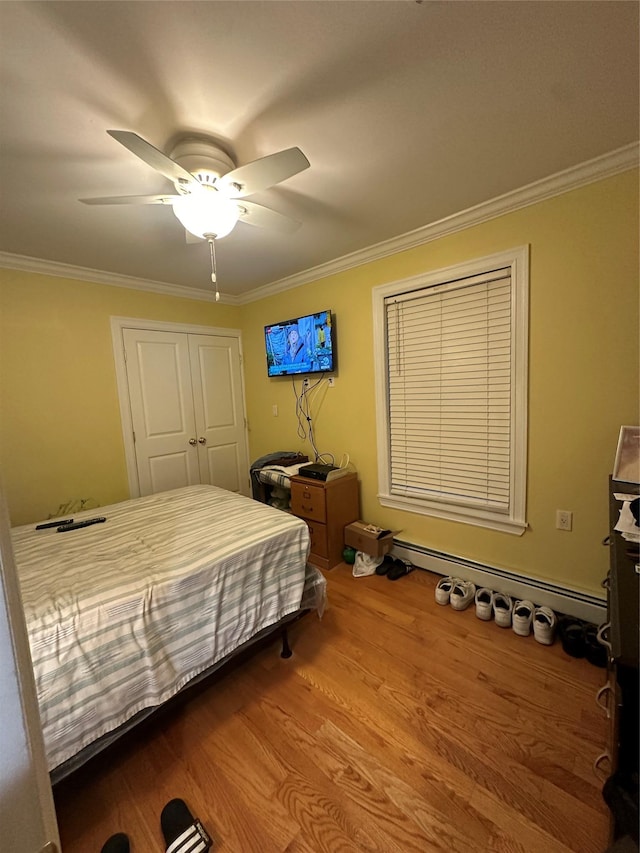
(318, 534)
(309, 501)
(326, 506)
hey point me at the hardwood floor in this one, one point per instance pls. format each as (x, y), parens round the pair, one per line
(397, 725)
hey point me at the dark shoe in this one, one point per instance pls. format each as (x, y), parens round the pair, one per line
(571, 632)
(595, 652)
(385, 565)
(118, 843)
(182, 832)
(399, 570)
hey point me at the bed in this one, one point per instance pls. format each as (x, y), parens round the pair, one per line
(122, 615)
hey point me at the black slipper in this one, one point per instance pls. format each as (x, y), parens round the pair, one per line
(118, 843)
(182, 832)
(385, 565)
(399, 570)
(595, 652)
(572, 636)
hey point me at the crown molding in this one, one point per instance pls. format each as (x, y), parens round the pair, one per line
(86, 274)
(606, 166)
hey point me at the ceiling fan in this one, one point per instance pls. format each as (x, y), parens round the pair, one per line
(210, 189)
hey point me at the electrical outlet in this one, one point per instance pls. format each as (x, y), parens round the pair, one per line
(331, 381)
(274, 411)
(564, 519)
(305, 382)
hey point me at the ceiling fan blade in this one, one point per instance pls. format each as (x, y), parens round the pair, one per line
(263, 173)
(131, 199)
(154, 157)
(264, 217)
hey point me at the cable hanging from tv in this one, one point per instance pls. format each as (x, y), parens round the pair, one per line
(303, 412)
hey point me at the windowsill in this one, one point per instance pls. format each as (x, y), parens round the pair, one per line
(478, 518)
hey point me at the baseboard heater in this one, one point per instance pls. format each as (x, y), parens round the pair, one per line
(562, 599)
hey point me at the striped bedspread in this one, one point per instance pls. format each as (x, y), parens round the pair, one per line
(121, 615)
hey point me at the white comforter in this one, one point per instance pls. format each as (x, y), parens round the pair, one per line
(121, 615)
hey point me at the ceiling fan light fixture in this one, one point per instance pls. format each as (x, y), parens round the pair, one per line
(206, 213)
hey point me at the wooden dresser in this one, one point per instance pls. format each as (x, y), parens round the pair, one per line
(326, 506)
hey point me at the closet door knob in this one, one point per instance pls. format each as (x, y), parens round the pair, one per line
(192, 442)
(202, 440)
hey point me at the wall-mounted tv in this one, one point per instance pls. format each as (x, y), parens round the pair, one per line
(302, 345)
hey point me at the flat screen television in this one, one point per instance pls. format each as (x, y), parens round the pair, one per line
(302, 345)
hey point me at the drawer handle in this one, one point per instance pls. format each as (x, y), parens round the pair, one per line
(604, 691)
(603, 635)
(606, 582)
(604, 756)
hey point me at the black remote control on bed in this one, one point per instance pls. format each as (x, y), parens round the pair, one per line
(47, 524)
(76, 524)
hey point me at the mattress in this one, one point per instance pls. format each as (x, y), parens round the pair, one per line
(122, 615)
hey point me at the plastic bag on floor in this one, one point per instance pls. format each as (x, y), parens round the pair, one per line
(365, 564)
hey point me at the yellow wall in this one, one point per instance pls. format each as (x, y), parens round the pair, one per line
(60, 428)
(583, 375)
(60, 431)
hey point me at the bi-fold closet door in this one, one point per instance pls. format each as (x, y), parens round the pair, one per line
(187, 409)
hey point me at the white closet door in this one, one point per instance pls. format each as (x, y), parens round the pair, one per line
(187, 409)
(161, 398)
(219, 411)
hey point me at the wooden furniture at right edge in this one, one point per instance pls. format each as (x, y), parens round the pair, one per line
(619, 695)
(327, 506)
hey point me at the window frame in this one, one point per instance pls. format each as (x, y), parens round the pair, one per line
(514, 521)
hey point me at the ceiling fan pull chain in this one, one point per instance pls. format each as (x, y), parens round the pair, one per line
(214, 278)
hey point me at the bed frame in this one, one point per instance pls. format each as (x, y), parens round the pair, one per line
(206, 678)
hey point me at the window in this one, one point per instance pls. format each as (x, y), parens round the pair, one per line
(451, 391)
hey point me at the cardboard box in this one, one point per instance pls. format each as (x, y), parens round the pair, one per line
(368, 538)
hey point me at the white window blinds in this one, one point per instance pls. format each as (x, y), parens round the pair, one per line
(449, 385)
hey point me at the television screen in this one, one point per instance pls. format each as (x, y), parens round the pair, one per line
(302, 345)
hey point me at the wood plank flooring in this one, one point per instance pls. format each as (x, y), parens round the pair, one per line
(397, 726)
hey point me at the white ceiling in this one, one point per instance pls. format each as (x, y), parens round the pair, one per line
(408, 112)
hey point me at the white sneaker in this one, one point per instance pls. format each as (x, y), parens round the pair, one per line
(443, 589)
(522, 617)
(544, 625)
(484, 604)
(462, 594)
(502, 609)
